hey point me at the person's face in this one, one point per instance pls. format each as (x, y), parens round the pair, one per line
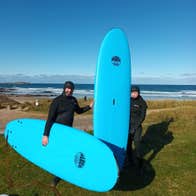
(134, 94)
(68, 91)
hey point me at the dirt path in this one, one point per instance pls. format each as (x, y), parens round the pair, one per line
(167, 109)
(83, 122)
(8, 115)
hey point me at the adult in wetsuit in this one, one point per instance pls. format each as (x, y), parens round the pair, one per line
(137, 116)
(62, 111)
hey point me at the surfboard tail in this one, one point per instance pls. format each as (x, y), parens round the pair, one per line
(119, 153)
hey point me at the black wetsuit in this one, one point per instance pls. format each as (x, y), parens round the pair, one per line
(62, 111)
(137, 116)
(137, 113)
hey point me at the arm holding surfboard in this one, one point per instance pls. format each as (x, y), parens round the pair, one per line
(51, 119)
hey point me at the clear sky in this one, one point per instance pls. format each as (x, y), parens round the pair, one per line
(62, 37)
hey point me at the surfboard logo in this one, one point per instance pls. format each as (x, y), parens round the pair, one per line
(79, 160)
(116, 60)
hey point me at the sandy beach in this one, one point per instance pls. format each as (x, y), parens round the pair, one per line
(11, 108)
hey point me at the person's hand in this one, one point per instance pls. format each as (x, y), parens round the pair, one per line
(91, 104)
(45, 140)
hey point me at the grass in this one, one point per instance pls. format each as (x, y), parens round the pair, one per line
(168, 147)
(162, 104)
(44, 105)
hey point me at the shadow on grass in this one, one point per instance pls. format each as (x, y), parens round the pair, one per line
(153, 141)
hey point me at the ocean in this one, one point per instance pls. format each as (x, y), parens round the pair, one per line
(149, 92)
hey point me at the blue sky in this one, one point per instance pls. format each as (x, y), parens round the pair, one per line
(47, 37)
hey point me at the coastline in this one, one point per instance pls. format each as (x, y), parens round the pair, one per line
(24, 106)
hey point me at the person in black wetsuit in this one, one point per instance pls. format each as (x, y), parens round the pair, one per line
(62, 111)
(137, 116)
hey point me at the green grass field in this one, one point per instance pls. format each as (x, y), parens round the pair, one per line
(169, 150)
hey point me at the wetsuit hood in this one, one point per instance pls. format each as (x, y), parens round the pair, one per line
(135, 89)
(69, 84)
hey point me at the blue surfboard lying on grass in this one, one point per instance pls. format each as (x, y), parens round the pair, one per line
(73, 155)
(112, 93)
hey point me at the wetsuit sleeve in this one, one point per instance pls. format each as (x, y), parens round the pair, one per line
(143, 113)
(80, 110)
(51, 118)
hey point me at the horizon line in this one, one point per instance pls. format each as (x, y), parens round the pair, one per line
(22, 83)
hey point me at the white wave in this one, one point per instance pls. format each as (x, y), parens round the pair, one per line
(49, 91)
(189, 94)
(147, 94)
(83, 93)
(35, 91)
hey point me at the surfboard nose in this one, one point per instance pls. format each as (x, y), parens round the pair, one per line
(6, 131)
(9, 129)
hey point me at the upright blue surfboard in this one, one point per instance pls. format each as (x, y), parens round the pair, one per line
(112, 93)
(71, 154)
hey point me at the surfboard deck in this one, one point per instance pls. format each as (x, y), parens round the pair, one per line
(112, 93)
(71, 154)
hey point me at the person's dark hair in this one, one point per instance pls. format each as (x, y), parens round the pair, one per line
(69, 84)
(135, 89)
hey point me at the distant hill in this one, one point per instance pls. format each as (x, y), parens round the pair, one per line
(15, 83)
